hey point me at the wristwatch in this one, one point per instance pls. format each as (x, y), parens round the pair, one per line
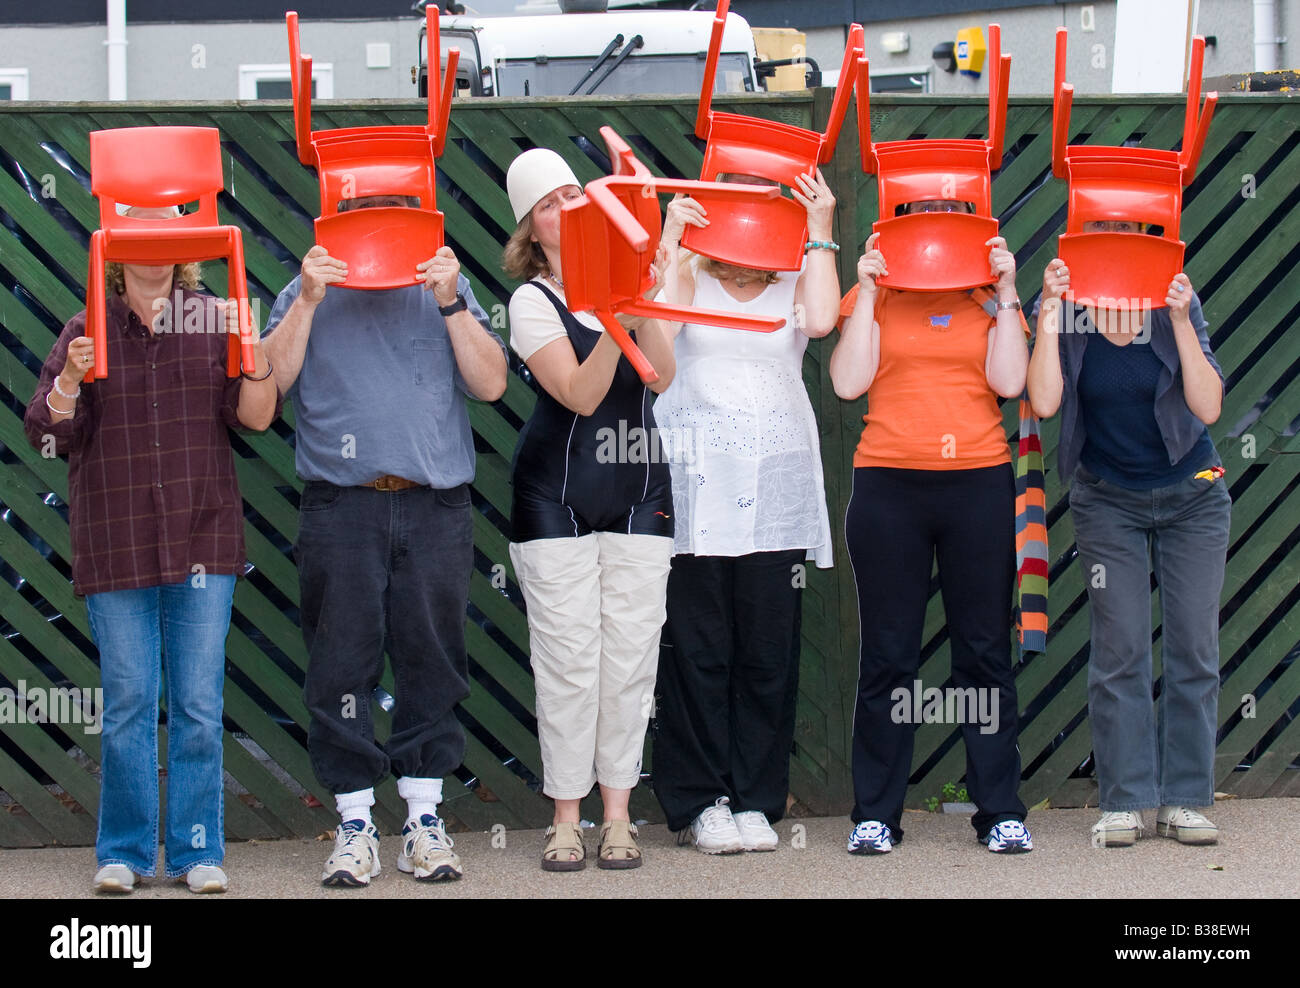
(1009, 305)
(457, 306)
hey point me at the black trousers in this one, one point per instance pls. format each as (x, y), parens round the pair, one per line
(727, 684)
(897, 521)
(383, 570)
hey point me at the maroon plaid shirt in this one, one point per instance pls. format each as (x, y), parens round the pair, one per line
(151, 474)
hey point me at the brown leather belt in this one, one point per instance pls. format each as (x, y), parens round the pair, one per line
(390, 483)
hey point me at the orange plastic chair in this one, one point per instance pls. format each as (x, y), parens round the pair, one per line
(382, 244)
(937, 252)
(609, 236)
(161, 166)
(1125, 271)
(767, 234)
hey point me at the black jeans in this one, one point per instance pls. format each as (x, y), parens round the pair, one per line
(383, 570)
(727, 685)
(897, 521)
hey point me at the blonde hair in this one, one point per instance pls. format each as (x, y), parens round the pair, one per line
(187, 275)
(522, 257)
(722, 271)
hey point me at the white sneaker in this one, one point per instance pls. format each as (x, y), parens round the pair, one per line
(756, 834)
(206, 878)
(1008, 837)
(871, 837)
(1117, 829)
(427, 851)
(114, 878)
(356, 856)
(714, 831)
(1185, 825)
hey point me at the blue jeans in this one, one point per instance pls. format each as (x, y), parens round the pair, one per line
(1145, 760)
(136, 631)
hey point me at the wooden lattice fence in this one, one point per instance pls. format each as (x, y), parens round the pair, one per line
(1242, 226)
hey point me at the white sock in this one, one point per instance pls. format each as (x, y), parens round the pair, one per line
(422, 796)
(355, 805)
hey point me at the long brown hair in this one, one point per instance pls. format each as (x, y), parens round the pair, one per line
(523, 257)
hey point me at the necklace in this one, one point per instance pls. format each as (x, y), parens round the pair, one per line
(555, 279)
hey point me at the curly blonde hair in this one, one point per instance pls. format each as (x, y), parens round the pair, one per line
(187, 275)
(522, 257)
(724, 271)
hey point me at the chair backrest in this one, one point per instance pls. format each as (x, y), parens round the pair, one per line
(767, 234)
(156, 166)
(937, 251)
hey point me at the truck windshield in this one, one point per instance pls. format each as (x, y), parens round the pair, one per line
(639, 74)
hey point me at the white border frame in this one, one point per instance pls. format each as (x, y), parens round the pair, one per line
(19, 82)
(251, 75)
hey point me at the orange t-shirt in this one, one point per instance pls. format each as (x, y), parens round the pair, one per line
(930, 406)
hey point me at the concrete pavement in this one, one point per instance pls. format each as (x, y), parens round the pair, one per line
(1258, 856)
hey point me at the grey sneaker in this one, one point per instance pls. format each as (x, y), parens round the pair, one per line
(714, 831)
(356, 856)
(1185, 825)
(427, 851)
(206, 878)
(1117, 829)
(115, 878)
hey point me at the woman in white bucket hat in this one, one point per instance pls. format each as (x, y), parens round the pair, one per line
(592, 527)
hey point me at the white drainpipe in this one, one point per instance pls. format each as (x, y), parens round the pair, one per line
(1265, 35)
(116, 44)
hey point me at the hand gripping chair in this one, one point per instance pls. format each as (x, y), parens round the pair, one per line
(161, 166)
(767, 234)
(937, 252)
(1125, 270)
(609, 236)
(381, 245)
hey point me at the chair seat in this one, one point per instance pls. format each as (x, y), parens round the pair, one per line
(936, 252)
(765, 235)
(381, 245)
(1124, 271)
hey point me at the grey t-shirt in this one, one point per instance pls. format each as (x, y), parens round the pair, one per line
(379, 391)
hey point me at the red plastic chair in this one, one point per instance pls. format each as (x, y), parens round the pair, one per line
(154, 167)
(382, 244)
(609, 236)
(937, 252)
(1125, 270)
(767, 234)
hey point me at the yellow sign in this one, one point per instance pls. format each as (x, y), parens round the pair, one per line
(970, 50)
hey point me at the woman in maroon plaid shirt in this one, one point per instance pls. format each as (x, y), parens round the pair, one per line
(157, 540)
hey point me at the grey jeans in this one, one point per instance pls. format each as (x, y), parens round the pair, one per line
(1144, 758)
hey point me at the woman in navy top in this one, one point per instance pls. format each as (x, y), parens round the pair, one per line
(1136, 392)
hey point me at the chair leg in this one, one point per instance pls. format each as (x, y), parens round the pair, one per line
(240, 355)
(95, 308)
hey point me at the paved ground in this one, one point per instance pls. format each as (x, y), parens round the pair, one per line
(1257, 855)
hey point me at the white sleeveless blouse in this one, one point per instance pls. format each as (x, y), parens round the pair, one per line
(740, 435)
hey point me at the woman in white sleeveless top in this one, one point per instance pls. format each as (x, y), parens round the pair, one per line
(750, 510)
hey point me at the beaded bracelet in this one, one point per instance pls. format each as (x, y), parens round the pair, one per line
(822, 244)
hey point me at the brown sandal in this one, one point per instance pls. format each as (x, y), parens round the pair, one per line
(618, 847)
(564, 840)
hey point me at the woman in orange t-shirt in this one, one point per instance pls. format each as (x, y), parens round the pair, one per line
(932, 474)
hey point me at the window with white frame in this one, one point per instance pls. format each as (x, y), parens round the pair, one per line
(904, 79)
(13, 84)
(272, 81)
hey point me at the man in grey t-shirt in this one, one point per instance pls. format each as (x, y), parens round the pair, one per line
(385, 547)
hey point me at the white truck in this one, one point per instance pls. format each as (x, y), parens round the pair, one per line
(606, 53)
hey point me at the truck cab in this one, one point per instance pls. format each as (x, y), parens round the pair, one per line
(608, 54)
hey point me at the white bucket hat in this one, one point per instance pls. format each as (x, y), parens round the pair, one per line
(534, 175)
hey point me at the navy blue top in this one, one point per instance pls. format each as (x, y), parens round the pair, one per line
(1180, 429)
(1122, 442)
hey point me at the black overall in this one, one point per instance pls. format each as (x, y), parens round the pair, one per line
(605, 472)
